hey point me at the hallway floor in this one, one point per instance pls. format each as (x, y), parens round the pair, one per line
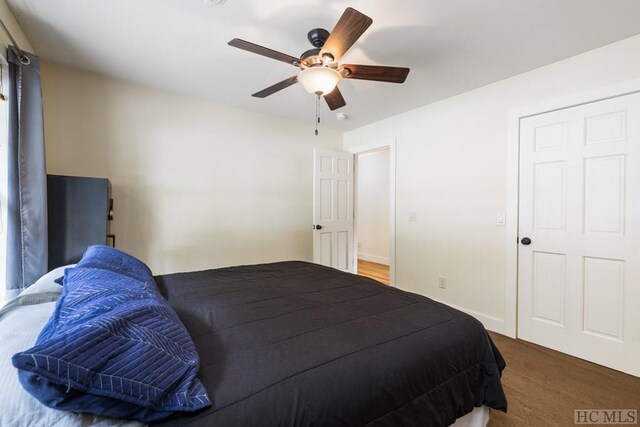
(379, 272)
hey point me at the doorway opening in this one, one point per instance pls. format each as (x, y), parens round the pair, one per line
(373, 214)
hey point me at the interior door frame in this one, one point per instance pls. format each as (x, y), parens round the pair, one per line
(389, 144)
(513, 181)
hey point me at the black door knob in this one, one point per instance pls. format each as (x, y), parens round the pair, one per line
(525, 241)
(318, 227)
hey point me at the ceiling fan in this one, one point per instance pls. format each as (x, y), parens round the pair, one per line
(320, 71)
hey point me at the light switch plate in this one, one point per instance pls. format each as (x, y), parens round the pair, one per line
(500, 220)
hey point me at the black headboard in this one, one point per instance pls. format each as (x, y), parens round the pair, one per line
(79, 211)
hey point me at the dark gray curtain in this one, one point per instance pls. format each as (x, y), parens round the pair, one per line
(27, 193)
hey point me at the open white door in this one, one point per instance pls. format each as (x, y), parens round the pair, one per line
(333, 209)
(579, 255)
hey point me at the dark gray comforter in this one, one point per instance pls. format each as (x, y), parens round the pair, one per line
(293, 343)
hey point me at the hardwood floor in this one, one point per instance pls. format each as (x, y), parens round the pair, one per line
(379, 272)
(543, 386)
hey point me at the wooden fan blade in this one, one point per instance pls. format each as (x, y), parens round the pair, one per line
(276, 87)
(264, 51)
(335, 99)
(375, 72)
(346, 32)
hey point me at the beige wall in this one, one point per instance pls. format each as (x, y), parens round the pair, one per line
(11, 23)
(451, 170)
(196, 184)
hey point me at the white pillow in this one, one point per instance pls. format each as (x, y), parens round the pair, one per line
(47, 282)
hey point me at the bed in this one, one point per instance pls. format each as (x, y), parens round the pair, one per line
(294, 343)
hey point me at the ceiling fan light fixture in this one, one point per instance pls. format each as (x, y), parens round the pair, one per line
(319, 80)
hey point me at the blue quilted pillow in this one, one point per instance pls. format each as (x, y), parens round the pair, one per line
(113, 346)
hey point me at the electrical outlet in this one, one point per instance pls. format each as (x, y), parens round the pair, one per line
(442, 282)
(413, 216)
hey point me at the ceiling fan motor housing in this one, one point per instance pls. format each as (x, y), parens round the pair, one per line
(309, 53)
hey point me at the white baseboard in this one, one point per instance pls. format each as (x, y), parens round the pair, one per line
(373, 258)
(490, 323)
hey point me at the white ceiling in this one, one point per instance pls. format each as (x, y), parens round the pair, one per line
(451, 46)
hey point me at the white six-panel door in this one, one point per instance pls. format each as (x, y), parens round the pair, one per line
(333, 209)
(579, 278)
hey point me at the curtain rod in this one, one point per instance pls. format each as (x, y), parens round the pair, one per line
(16, 48)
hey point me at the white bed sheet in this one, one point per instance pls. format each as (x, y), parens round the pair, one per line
(479, 417)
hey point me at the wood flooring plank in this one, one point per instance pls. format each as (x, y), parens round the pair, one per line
(543, 386)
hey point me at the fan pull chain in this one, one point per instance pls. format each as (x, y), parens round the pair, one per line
(317, 112)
